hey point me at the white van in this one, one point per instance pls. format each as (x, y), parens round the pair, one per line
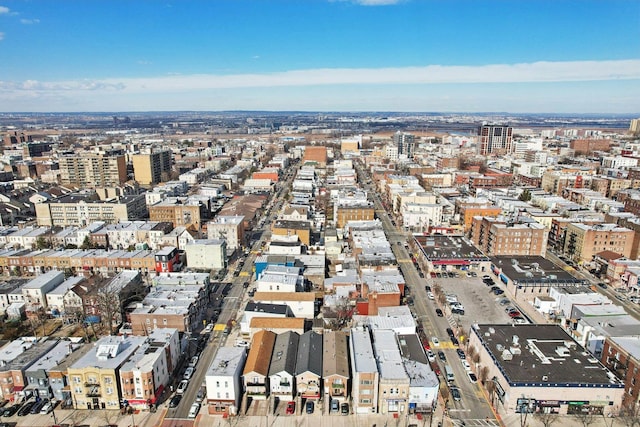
(193, 412)
(449, 373)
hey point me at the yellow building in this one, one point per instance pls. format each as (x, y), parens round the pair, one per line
(148, 168)
(94, 380)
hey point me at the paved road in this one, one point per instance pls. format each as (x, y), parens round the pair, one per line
(473, 404)
(230, 307)
(632, 308)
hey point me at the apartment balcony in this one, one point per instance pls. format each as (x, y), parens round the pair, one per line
(93, 392)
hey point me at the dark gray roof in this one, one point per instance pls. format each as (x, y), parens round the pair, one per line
(285, 350)
(259, 307)
(309, 354)
(542, 356)
(411, 348)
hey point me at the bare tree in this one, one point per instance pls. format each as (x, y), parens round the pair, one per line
(444, 392)
(77, 417)
(107, 300)
(483, 375)
(628, 417)
(546, 419)
(586, 418)
(111, 417)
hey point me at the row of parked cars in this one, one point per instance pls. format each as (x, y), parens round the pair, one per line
(31, 406)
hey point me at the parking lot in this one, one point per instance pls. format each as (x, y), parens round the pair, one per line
(481, 305)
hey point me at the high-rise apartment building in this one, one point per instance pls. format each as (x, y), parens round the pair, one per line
(148, 168)
(494, 139)
(405, 142)
(634, 126)
(93, 170)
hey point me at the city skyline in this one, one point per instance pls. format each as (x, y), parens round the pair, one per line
(321, 55)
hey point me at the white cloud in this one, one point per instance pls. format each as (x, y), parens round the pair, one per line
(144, 62)
(536, 72)
(432, 74)
(4, 10)
(1, 36)
(29, 21)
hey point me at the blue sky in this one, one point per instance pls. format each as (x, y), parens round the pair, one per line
(573, 56)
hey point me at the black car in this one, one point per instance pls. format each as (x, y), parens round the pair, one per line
(309, 407)
(602, 285)
(454, 341)
(439, 312)
(442, 356)
(455, 393)
(450, 333)
(457, 311)
(39, 404)
(498, 291)
(461, 354)
(175, 401)
(427, 288)
(26, 408)
(10, 411)
(344, 409)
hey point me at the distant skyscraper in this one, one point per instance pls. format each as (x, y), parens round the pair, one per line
(405, 143)
(495, 139)
(149, 167)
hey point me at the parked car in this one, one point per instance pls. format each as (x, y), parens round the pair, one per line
(455, 341)
(188, 373)
(455, 393)
(439, 312)
(427, 288)
(335, 406)
(450, 333)
(182, 387)
(48, 407)
(465, 365)
(10, 411)
(193, 411)
(431, 355)
(208, 328)
(472, 377)
(291, 408)
(430, 295)
(344, 409)
(435, 341)
(241, 343)
(175, 401)
(442, 356)
(200, 395)
(193, 362)
(26, 408)
(498, 292)
(461, 354)
(309, 407)
(514, 314)
(38, 406)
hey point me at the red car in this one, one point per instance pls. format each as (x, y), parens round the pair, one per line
(291, 408)
(514, 314)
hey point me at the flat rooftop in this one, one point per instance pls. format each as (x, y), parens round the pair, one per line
(542, 356)
(533, 270)
(438, 248)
